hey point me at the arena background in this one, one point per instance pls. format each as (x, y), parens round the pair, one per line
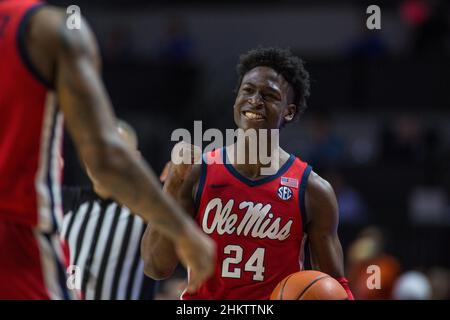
(377, 126)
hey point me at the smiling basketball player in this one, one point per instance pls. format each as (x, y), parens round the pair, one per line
(259, 223)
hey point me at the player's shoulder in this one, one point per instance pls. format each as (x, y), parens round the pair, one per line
(49, 27)
(45, 24)
(320, 197)
(49, 36)
(318, 185)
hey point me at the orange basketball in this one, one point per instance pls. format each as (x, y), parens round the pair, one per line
(309, 285)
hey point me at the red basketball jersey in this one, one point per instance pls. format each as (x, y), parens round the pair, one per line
(30, 128)
(257, 227)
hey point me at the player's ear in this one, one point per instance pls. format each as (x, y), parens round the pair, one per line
(289, 112)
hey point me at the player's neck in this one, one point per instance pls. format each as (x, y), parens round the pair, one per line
(250, 169)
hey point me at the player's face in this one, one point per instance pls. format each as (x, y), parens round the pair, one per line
(264, 100)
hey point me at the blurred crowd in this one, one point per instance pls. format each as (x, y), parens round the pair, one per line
(395, 282)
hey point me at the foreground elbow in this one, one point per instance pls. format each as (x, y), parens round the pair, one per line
(108, 161)
(157, 273)
(153, 268)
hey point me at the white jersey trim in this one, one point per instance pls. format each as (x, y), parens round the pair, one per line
(48, 179)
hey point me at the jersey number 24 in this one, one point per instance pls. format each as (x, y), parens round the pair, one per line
(254, 264)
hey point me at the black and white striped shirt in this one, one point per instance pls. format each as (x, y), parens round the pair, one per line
(104, 242)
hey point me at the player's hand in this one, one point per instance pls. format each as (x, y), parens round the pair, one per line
(190, 154)
(197, 252)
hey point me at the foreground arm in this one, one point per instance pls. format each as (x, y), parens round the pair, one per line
(74, 63)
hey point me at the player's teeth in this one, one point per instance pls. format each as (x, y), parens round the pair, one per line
(252, 115)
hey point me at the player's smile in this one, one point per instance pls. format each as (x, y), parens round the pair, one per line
(253, 116)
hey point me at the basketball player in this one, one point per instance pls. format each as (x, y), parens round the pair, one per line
(43, 62)
(259, 223)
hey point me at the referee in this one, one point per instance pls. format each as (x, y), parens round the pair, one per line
(104, 240)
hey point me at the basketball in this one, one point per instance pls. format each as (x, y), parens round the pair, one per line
(309, 285)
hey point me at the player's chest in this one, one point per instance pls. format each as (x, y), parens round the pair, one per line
(250, 215)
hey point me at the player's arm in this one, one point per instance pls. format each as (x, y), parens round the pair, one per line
(74, 63)
(323, 219)
(157, 250)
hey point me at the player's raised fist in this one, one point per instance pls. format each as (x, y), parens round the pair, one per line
(196, 251)
(183, 156)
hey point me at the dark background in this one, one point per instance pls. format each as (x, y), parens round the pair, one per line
(377, 126)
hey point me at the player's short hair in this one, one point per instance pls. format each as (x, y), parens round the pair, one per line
(131, 132)
(284, 62)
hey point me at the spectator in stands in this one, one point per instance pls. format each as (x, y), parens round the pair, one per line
(440, 283)
(368, 250)
(412, 285)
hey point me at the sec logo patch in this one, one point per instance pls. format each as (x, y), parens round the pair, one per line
(284, 193)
